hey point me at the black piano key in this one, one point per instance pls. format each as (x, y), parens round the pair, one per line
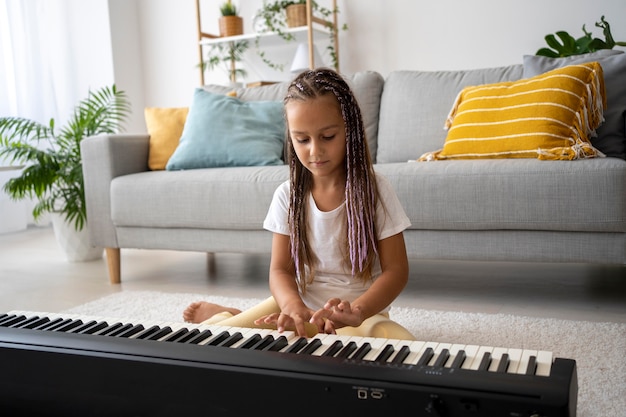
(485, 362)
(199, 337)
(362, 351)
(7, 318)
(311, 347)
(164, 331)
(47, 324)
(277, 344)
(122, 329)
(3, 316)
(443, 357)
(9, 321)
(231, 340)
(263, 343)
(385, 354)
(83, 326)
(504, 363)
(177, 335)
(459, 359)
(110, 329)
(531, 369)
(333, 348)
(401, 355)
(190, 335)
(69, 326)
(219, 338)
(95, 328)
(38, 322)
(57, 325)
(251, 341)
(426, 357)
(347, 350)
(147, 332)
(297, 345)
(130, 331)
(23, 323)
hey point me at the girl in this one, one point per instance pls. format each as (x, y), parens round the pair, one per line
(338, 255)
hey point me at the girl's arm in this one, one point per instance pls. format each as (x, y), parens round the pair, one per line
(382, 292)
(294, 313)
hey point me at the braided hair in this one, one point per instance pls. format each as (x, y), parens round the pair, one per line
(361, 193)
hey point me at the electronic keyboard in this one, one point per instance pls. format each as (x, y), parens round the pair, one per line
(74, 365)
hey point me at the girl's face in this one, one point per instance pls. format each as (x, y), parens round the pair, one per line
(317, 131)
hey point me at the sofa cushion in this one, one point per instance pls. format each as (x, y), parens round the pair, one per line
(367, 87)
(611, 138)
(549, 116)
(165, 127)
(414, 106)
(224, 131)
(587, 195)
(187, 199)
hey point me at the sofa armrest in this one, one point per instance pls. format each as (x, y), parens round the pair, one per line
(104, 158)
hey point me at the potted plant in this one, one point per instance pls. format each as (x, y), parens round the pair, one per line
(230, 23)
(585, 44)
(227, 55)
(275, 17)
(53, 172)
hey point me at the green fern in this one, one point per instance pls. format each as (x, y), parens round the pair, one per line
(53, 173)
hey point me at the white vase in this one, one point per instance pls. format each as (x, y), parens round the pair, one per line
(75, 244)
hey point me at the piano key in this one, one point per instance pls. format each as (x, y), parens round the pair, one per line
(416, 348)
(218, 338)
(110, 329)
(57, 324)
(9, 320)
(23, 323)
(496, 358)
(188, 336)
(175, 335)
(85, 325)
(296, 346)
(310, 347)
(335, 347)
(69, 326)
(162, 332)
(515, 356)
(126, 330)
(278, 344)
(200, 337)
(471, 352)
(94, 328)
(385, 353)
(457, 356)
(438, 350)
(264, 342)
(458, 360)
(504, 363)
(231, 340)
(401, 355)
(532, 365)
(544, 363)
(347, 350)
(485, 362)
(427, 355)
(442, 358)
(524, 360)
(376, 345)
(362, 351)
(480, 355)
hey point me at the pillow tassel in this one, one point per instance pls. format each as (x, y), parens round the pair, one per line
(453, 110)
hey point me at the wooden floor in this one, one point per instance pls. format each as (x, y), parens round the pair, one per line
(34, 275)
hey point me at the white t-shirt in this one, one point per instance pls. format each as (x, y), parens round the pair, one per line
(327, 232)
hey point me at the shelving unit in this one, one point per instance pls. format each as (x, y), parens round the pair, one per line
(315, 26)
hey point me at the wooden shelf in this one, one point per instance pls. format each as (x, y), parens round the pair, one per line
(269, 38)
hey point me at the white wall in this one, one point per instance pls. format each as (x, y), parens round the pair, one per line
(383, 35)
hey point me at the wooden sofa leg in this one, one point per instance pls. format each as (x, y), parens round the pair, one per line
(114, 265)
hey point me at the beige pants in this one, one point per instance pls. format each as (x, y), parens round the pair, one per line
(379, 325)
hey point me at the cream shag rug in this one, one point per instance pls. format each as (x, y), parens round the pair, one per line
(598, 348)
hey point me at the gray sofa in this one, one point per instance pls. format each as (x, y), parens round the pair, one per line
(483, 209)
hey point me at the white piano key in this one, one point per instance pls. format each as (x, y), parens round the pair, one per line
(327, 340)
(376, 345)
(544, 363)
(496, 357)
(440, 347)
(471, 351)
(523, 363)
(416, 347)
(424, 347)
(515, 356)
(479, 356)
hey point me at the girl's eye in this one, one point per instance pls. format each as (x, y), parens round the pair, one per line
(330, 137)
(302, 140)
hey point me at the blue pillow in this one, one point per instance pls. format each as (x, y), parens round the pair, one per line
(222, 131)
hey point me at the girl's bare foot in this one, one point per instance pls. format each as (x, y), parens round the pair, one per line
(201, 310)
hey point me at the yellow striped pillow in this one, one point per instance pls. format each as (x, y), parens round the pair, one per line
(549, 116)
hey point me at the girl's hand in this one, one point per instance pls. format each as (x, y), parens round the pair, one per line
(336, 314)
(292, 317)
